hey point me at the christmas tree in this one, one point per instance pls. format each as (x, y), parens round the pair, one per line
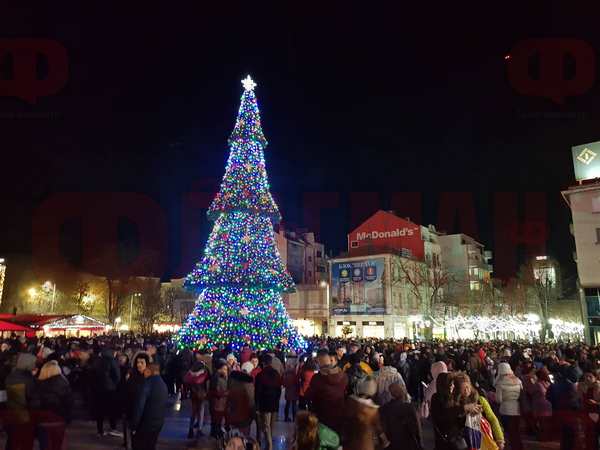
(241, 277)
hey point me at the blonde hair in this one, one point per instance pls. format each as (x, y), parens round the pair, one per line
(307, 431)
(49, 370)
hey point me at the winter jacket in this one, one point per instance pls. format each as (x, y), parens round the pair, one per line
(197, 383)
(328, 439)
(401, 425)
(56, 396)
(240, 400)
(508, 390)
(305, 377)
(491, 417)
(326, 393)
(563, 396)
(21, 389)
(106, 373)
(245, 355)
(540, 405)
(218, 395)
(268, 390)
(362, 427)
(150, 405)
(133, 388)
(447, 422)
(386, 376)
(291, 383)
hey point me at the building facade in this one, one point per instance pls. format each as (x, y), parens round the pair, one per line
(467, 263)
(369, 294)
(584, 202)
(306, 262)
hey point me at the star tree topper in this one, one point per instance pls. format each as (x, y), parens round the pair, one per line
(248, 83)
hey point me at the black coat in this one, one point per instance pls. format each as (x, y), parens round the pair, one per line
(447, 422)
(401, 425)
(150, 405)
(56, 396)
(106, 373)
(268, 390)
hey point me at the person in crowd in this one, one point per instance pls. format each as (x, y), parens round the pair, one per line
(218, 397)
(245, 354)
(326, 394)
(256, 364)
(56, 403)
(240, 402)
(276, 362)
(565, 403)
(149, 410)
(196, 382)
(465, 394)
(232, 363)
(306, 374)
(356, 370)
(541, 408)
(133, 384)
(528, 378)
(106, 375)
(436, 369)
(268, 393)
(22, 397)
(448, 416)
(342, 357)
(362, 427)
(385, 376)
(399, 420)
(312, 435)
(508, 391)
(291, 383)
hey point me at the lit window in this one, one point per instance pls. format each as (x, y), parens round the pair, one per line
(474, 285)
(596, 204)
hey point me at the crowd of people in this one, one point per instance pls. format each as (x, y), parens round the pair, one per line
(359, 395)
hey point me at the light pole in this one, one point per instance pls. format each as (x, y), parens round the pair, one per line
(131, 310)
(50, 285)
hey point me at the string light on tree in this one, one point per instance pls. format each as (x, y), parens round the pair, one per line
(241, 277)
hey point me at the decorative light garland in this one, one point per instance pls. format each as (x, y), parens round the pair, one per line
(241, 276)
(524, 327)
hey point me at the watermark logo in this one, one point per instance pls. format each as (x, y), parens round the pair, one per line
(552, 67)
(23, 57)
(586, 156)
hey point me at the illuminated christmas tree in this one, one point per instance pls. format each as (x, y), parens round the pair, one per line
(241, 277)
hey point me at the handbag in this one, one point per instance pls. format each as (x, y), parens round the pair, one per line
(456, 442)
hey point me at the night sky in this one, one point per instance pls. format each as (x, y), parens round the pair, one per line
(355, 97)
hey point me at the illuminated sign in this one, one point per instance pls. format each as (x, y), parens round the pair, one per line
(586, 161)
(398, 232)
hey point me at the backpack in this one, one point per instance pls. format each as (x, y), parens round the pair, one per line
(355, 375)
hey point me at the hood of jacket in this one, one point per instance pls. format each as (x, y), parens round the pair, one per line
(437, 368)
(25, 361)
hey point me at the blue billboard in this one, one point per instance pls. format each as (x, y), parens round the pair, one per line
(357, 287)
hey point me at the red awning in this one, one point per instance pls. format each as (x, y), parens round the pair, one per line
(9, 326)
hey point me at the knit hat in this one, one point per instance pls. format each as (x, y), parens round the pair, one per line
(247, 367)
